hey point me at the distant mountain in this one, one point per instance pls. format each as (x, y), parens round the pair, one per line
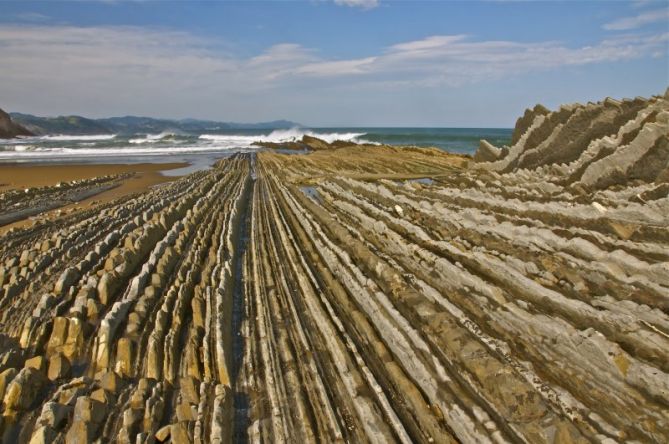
(78, 125)
(75, 125)
(9, 128)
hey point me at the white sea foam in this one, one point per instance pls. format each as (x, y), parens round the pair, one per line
(65, 152)
(152, 138)
(65, 137)
(15, 148)
(279, 136)
(72, 147)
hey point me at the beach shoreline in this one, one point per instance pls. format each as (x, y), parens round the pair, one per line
(133, 178)
(39, 174)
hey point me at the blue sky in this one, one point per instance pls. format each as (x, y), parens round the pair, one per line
(328, 63)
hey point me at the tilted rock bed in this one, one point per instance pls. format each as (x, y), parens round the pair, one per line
(335, 297)
(22, 203)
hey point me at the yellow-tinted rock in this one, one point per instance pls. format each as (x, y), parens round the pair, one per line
(23, 389)
(124, 357)
(39, 363)
(5, 378)
(59, 367)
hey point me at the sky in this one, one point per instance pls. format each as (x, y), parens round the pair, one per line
(328, 62)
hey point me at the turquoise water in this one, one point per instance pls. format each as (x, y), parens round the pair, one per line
(458, 140)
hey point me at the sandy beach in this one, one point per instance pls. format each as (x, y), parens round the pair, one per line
(39, 175)
(140, 177)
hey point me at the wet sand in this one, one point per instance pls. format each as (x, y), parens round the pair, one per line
(39, 175)
(144, 176)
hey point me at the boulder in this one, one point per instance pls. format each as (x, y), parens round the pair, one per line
(487, 152)
(124, 357)
(58, 334)
(54, 414)
(79, 433)
(43, 435)
(39, 363)
(108, 381)
(59, 367)
(190, 390)
(5, 378)
(163, 433)
(23, 389)
(107, 287)
(179, 433)
(66, 280)
(89, 410)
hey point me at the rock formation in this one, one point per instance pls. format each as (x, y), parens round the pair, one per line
(356, 294)
(307, 143)
(593, 146)
(10, 129)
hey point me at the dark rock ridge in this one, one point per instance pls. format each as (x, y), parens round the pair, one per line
(10, 129)
(596, 145)
(307, 143)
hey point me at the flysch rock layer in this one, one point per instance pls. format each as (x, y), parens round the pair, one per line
(593, 146)
(355, 294)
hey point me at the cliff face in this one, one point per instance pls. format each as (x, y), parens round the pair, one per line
(10, 129)
(596, 145)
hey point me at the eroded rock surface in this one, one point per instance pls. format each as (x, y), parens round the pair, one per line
(354, 294)
(593, 146)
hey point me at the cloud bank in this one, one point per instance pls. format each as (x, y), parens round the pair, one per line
(131, 69)
(645, 18)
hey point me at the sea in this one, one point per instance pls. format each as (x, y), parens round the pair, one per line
(201, 150)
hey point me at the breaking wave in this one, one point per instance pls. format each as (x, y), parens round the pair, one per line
(154, 138)
(181, 145)
(280, 136)
(65, 137)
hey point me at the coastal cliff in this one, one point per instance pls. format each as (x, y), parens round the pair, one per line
(10, 129)
(360, 294)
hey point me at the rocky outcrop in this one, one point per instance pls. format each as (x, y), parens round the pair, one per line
(592, 146)
(10, 129)
(357, 294)
(487, 152)
(307, 143)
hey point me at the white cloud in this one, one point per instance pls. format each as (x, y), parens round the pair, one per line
(645, 18)
(641, 3)
(32, 17)
(456, 60)
(364, 4)
(119, 70)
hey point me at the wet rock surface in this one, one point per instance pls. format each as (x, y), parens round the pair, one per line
(340, 296)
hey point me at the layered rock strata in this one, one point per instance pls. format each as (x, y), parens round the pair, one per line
(593, 146)
(357, 294)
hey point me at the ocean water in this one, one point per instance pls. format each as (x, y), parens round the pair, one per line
(202, 149)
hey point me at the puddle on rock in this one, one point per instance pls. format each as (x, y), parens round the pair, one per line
(311, 192)
(423, 181)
